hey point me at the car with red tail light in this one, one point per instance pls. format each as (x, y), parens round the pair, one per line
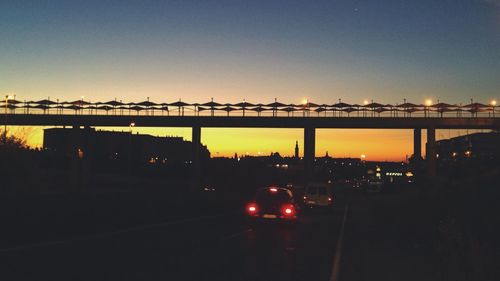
(272, 203)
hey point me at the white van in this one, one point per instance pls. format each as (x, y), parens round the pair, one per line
(318, 194)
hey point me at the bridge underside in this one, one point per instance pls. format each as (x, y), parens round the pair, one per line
(252, 122)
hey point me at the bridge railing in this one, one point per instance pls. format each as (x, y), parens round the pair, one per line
(275, 109)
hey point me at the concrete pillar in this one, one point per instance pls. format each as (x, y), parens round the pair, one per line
(309, 151)
(431, 152)
(417, 144)
(196, 158)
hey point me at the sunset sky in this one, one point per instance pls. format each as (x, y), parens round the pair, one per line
(384, 50)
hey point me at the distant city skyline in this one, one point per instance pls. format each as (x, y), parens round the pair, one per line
(347, 142)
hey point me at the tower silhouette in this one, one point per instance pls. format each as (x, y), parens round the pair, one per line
(296, 149)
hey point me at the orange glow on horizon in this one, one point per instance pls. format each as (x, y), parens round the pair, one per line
(374, 144)
(391, 145)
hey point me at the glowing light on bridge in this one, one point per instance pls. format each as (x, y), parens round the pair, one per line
(275, 109)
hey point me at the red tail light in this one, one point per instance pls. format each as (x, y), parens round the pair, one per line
(252, 209)
(288, 210)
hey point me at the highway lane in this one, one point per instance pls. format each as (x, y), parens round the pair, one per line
(215, 248)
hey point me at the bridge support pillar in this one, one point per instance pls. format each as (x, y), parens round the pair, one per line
(417, 144)
(196, 158)
(416, 160)
(309, 153)
(431, 157)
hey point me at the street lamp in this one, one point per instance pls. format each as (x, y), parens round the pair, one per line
(305, 102)
(365, 103)
(129, 164)
(7, 97)
(493, 104)
(428, 103)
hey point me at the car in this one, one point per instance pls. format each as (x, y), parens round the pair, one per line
(273, 203)
(318, 195)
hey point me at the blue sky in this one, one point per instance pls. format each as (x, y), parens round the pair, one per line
(258, 50)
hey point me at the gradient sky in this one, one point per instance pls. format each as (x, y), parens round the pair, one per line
(384, 50)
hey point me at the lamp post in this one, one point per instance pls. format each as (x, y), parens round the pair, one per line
(132, 124)
(81, 105)
(305, 102)
(428, 103)
(7, 97)
(404, 108)
(493, 104)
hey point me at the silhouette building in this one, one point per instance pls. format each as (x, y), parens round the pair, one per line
(106, 146)
(481, 146)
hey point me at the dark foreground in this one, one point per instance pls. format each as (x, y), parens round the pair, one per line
(218, 246)
(210, 240)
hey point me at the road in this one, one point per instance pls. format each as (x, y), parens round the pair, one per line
(386, 236)
(221, 246)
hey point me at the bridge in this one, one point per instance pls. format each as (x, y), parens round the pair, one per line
(307, 116)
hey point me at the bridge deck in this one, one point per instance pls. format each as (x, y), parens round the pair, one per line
(251, 121)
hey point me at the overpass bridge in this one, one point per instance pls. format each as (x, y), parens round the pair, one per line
(307, 116)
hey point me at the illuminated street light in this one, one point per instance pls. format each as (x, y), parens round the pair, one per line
(305, 102)
(365, 102)
(129, 164)
(428, 103)
(493, 104)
